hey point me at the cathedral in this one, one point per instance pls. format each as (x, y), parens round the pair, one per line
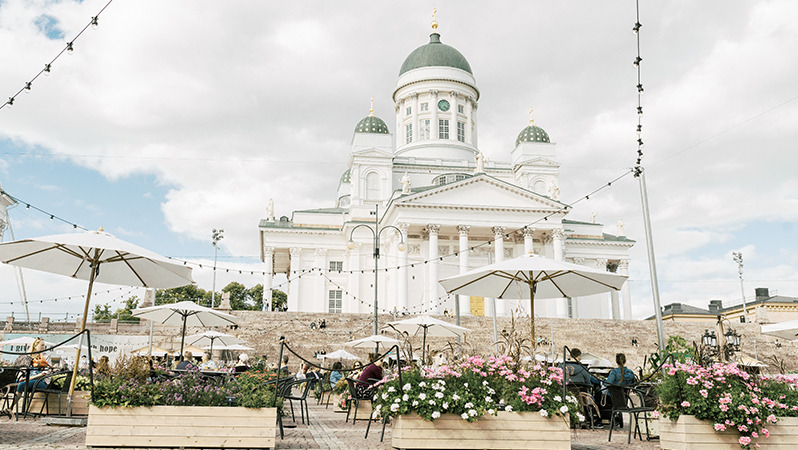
(423, 203)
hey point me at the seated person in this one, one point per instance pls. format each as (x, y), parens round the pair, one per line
(621, 375)
(576, 372)
(370, 375)
(187, 362)
(207, 363)
(284, 367)
(242, 365)
(103, 367)
(335, 375)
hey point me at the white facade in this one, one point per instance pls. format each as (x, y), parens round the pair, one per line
(455, 211)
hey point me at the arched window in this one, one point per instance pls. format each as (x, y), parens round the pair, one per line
(373, 186)
(540, 187)
(448, 178)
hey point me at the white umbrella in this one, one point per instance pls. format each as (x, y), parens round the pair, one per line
(156, 351)
(23, 341)
(371, 341)
(94, 256)
(429, 326)
(185, 313)
(207, 338)
(340, 354)
(784, 330)
(231, 347)
(530, 277)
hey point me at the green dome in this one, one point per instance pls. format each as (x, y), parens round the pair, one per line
(435, 54)
(371, 124)
(346, 176)
(532, 133)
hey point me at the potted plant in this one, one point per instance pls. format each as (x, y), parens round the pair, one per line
(480, 403)
(183, 410)
(722, 405)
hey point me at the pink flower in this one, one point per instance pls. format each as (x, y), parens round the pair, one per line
(703, 393)
(685, 404)
(720, 427)
(766, 432)
(745, 440)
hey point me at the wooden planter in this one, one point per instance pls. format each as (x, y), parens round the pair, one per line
(689, 433)
(80, 403)
(182, 426)
(508, 430)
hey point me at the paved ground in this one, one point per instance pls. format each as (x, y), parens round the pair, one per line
(327, 430)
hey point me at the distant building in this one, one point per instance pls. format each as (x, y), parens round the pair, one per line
(455, 209)
(765, 308)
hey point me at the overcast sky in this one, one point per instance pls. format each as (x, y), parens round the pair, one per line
(177, 117)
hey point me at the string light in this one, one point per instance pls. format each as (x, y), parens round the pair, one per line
(638, 59)
(69, 49)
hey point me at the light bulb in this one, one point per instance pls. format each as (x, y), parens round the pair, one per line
(69, 48)
(350, 245)
(402, 247)
(27, 87)
(94, 23)
(47, 69)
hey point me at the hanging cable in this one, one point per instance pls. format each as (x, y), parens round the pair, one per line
(637, 63)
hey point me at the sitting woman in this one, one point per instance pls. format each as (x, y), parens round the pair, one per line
(371, 374)
(242, 365)
(335, 375)
(621, 375)
(103, 367)
(37, 377)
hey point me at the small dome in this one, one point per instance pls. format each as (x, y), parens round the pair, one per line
(371, 124)
(532, 133)
(435, 54)
(346, 176)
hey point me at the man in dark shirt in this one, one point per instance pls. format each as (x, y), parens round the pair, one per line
(187, 362)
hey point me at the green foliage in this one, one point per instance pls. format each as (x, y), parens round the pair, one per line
(678, 347)
(253, 390)
(102, 313)
(189, 292)
(81, 383)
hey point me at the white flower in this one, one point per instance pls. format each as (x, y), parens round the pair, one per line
(465, 384)
(491, 412)
(501, 401)
(445, 405)
(415, 403)
(563, 409)
(455, 397)
(375, 414)
(488, 400)
(580, 417)
(405, 398)
(379, 406)
(422, 396)
(422, 384)
(464, 416)
(406, 387)
(391, 389)
(439, 394)
(432, 402)
(385, 396)
(544, 413)
(571, 399)
(394, 407)
(508, 408)
(397, 400)
(485, 383)
(557, 398)
(469, 405)
(491, 391)
(435, 414)
(472, 412)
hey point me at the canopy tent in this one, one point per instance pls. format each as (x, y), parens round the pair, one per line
(783, 330)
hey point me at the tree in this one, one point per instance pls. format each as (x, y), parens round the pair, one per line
(189, 292)
(102, 313)
(240, 298)
(279, 298)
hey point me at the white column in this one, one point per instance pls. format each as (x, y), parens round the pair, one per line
(468, 135)
(623, 267)
(414, 114)
(561, 305)
(320, 302)
(399, 131)
(293, 279)
(607, 307)
(350, 302)
(529, 233)
(474, 118)
(465, 300)
(498, 256)
(434, 107)
(453, 118)
(401, 287)
(268, 277)
(432, 286)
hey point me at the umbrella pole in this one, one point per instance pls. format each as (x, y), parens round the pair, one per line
(532, 314)
(183, 337)
(424, 348)
(94, 268)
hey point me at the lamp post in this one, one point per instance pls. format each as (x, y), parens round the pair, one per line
(376, 230)
(738, 258)
(216, 236)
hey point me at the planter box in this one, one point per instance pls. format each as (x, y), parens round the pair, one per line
(182, 426)
(80, 403)
(506, 431)
(689, 433)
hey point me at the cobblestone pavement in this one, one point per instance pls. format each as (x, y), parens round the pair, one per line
(327, 430)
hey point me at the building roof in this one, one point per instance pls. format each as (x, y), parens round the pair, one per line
(683, 309)
(532, 133)
(322, 211)
(371, 124)
(434, 54)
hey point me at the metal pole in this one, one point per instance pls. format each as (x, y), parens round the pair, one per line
(738, 258)
(376, 269)
(216, 237)
(652, 267)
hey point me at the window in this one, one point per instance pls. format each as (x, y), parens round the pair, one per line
(336, 266)
(425, 106)
(409, 133)
(408, 111)
(423, 133)
(449, 178)
(443, 129)
(461, 131)
(336, 301)
(373, 186)
(460, 109)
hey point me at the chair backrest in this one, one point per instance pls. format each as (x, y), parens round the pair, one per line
(618, 397)
(8, 375)
(67, 382)
(352, 388)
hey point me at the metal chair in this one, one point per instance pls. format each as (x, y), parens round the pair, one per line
(301, 398)
(357, 395)
(620, 404)
(8, 389)
(62, 390)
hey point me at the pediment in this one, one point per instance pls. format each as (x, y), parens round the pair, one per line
(539, 161)
(481, 192)
(372, 152)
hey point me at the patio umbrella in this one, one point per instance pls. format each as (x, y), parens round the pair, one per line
(185, 313)
(340, 354)
(429, 326)
(371, 341)
(23, 341)
(784, 330)
(156, 351)
(231, 347)
(532, 276)
(94, 256)
(207, 338)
